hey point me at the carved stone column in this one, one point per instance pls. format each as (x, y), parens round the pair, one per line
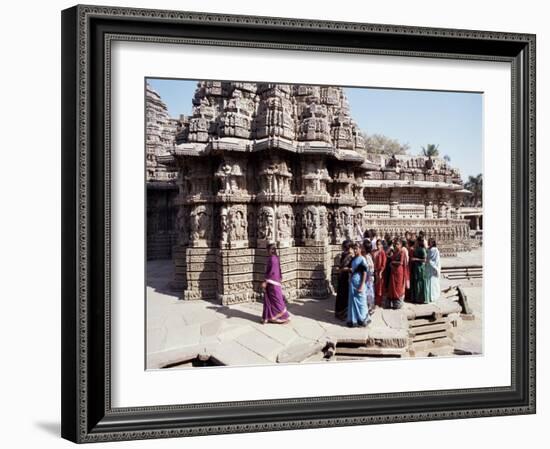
(443, 205)
(429, 213)
(394, 203)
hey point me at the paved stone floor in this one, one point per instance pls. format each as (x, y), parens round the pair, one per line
(233, 335)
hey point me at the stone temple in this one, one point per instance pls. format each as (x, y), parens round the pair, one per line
(257, 163)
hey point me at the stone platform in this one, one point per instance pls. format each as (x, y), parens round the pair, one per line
(184, 333)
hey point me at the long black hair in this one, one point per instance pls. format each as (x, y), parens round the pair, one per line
(346, 244)
(367, 247)
(272, 249)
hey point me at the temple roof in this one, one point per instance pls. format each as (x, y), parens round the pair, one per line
(231, 116)
(296, 118)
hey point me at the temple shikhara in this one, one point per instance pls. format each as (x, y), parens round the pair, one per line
(258, 163)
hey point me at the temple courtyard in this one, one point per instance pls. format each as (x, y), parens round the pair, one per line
(190, 333)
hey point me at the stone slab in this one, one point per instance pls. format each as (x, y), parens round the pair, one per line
(388, 338)
(309, 329)
(396, 319)
(261, 344)
(211, 328)
(184, 335)
(158, 360)
(283, 334)
(299, 352)
(231, 353)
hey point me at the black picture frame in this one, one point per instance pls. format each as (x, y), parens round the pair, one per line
(87, 414)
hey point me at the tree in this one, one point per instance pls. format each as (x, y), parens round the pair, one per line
(475, 185)
(447, 158)
(430, 150)
(380, 144)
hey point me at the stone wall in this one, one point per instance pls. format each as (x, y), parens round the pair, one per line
(160, 178)
(161, 220)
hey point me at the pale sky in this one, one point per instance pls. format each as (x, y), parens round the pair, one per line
(452, 120)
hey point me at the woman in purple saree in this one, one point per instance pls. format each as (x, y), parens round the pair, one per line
(274, 310)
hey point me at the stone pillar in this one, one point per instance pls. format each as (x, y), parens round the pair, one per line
(443, 205)
(477, 222)
(394, 203)
(430, 205)
(313, 261)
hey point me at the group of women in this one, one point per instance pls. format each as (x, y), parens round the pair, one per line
(385, 272)
(375, 272)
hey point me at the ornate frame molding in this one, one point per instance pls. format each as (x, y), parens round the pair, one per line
(87, 415)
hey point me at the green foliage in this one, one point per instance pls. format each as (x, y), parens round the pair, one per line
(475, 185)
(430, 150)
(380, 144)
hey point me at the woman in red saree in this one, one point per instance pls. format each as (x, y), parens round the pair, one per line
(380, 260)
(396, 290)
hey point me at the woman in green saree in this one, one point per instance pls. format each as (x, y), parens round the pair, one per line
(419, 283)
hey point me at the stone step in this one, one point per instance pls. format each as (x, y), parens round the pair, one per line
(370, 351)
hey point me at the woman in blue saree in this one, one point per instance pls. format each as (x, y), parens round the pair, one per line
(357, 305)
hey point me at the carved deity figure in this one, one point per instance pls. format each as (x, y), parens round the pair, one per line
(266, 224)
(224, 224)
(310, 223)
(284, 227)
(200, 223)
(228, 173)
(276, 176)
(237, 226)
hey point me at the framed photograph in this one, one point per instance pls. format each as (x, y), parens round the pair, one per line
(276, 224)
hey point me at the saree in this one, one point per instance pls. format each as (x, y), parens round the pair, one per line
(274, 308)
(379, 267)
(419, 285)
(433, 273)
(387, 271)
(408, 289)
(396, 290)
(342, 292)
(357, 302)
(369, 282)
(406, 268)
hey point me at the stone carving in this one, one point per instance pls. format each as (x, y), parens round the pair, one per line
(310, 223)
(224, 224)
(344, 182)
(275, 113)
(314, 124)
(314, 223)
(266, 224)
(315, 177)
(231, 176)
(237, 224)
(275, 176)
(284, 223)
(200, 223)
(344, 224)
(322, 232)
